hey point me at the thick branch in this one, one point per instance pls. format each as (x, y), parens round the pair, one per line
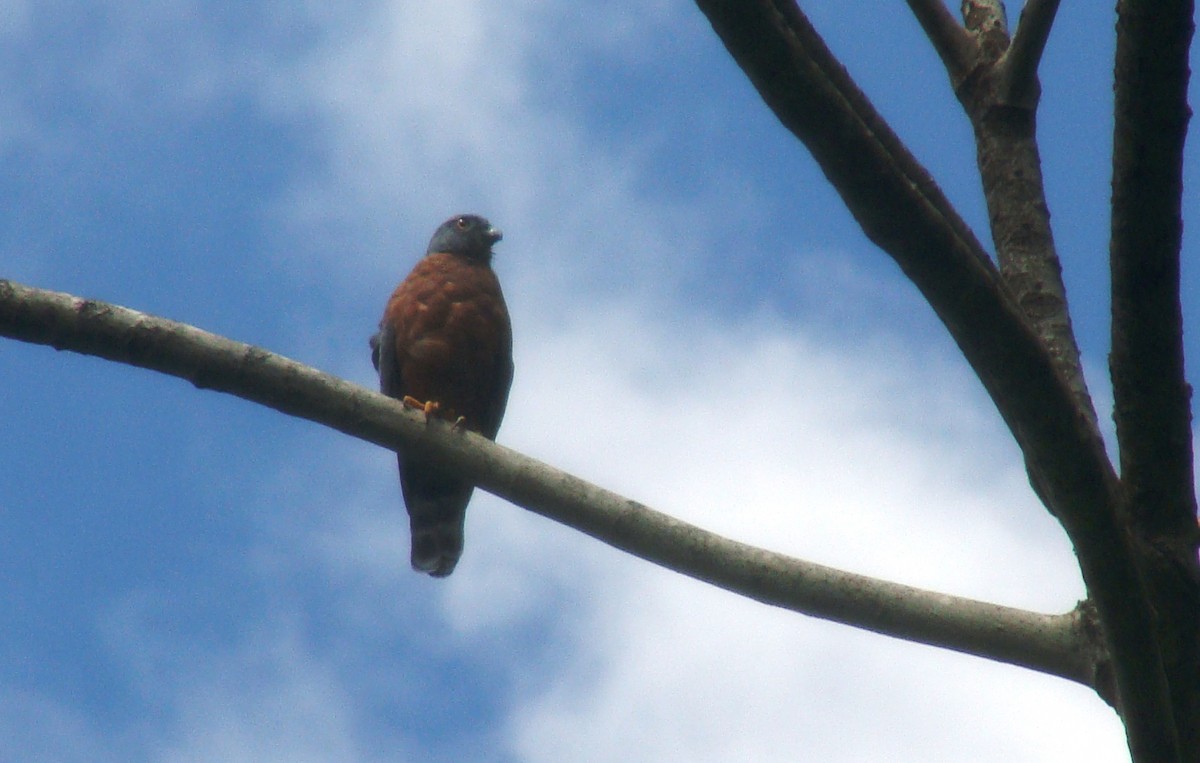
(1055, 644)
(1151, 397)
(1152, 411)
(901, 210)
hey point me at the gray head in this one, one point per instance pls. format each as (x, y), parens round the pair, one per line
(470, 236)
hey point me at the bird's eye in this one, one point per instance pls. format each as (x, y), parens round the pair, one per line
(462, 223)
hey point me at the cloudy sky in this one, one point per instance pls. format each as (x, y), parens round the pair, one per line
(699, 325)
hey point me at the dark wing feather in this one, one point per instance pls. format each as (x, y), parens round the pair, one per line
(497, 398)
(374, 343)
(383, 356)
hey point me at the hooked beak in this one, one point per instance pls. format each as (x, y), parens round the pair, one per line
(494, 234)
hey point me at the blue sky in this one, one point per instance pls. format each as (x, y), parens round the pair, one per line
(699, 325)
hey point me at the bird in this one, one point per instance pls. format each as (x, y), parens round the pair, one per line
(445, 346)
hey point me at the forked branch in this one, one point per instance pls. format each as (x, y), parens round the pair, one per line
(901, 210)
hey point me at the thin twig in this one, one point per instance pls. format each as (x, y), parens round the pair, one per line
(1052, 644)
(1019, 65)
(954, 46)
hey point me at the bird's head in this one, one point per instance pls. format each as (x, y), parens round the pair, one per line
(470, 236)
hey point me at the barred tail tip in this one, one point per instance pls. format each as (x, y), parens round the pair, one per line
(436, 549)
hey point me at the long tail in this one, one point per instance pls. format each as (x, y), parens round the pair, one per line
(437, 508)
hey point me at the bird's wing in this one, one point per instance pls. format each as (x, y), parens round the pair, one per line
(497, 398)
(383, 355)
(374, 343)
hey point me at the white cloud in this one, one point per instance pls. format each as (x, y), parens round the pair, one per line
(759, 431)
(275, 702)
(874, 463)
(424, 110)
(865, 455)
(869, 456)
(269, 694)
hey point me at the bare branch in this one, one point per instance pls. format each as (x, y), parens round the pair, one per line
(1151, 395)
(1054, 644)
(1011, 170)
(952, 43)
(901, 210)
(1019, 65)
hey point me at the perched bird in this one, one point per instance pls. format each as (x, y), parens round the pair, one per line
(445, 345)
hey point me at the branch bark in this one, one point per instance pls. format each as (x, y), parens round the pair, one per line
(1057, 644)
(998, 87)
(1010, 167)
(901, 210)
(1151, 396)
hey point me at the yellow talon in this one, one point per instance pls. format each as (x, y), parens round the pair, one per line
(429, 407)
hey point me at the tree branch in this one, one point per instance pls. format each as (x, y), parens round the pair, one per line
(1055, 644)
(1151, 396)
(1019, 65)
(952, 43)
(1152, 410)
(1010, 168)
(901, 210)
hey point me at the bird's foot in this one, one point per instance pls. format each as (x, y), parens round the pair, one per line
(428, 407)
